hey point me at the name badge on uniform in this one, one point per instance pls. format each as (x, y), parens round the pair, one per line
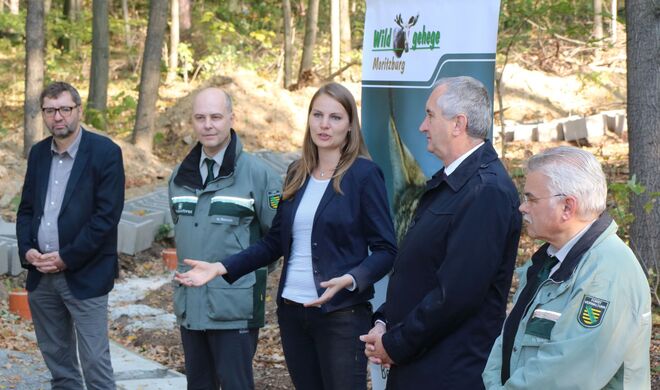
(184, 205)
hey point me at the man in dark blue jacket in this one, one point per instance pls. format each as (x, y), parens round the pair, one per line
(66, 227)
(448, 291)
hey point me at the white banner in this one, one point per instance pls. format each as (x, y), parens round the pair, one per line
(407, 47)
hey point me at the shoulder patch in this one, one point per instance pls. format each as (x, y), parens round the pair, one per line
(592, 311)
(274, 199)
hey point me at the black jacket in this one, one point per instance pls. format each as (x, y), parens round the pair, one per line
(447, 294)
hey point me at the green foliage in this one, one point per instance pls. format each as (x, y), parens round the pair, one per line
(163, 233)
(12, 27)
(15, 202)
(159, 138)
(525, 23)
(121, 109)
(186, 58)
(96, 118)
(620, 195)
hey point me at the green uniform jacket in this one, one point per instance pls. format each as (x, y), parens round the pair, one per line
(590, 331)
(212, 223)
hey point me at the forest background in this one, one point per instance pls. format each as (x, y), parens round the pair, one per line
(137, 63)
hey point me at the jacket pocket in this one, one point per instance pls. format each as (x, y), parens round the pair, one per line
(179, 300)
(231, 302)
(540, 327)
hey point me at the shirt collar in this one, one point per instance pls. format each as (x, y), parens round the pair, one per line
(72, 150)
(561, 253)
(449, 169)
(217, 158)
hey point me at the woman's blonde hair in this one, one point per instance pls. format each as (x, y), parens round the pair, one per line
(352, 149)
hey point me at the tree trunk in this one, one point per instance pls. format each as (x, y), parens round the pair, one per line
(13, 7)
(150, 77)
(173, 65)
(185, 23)
(311, 25)
(72, 14)
(643, 46)
(598, 21)
(98, 76)
(345, 30)
(35, 37)
(127, 27)
(288, 43)
(334, 35)
(613, 23)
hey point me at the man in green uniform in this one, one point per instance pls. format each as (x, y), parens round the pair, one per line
(222, 200)
(582, 312)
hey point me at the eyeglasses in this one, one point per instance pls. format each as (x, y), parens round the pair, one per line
(64, 111)
(528, 198)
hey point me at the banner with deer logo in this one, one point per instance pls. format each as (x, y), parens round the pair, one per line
(407, 47)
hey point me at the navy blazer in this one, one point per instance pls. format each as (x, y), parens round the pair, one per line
(87, 223)
(447, 295)
(345, 228)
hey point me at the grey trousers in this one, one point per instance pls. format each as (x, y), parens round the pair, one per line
(65, 325)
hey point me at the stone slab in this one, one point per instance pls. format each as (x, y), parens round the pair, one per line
(549, 131)
(13, 261)
(615, 121)
(575, 128)
(7, 228)
(524, 132)
(595, 127)
(4, 258)
(135, 234)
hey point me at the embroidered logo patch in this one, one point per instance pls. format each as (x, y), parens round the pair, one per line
(274, 199)
(592, 311)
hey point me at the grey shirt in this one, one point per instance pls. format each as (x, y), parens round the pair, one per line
(60, 170)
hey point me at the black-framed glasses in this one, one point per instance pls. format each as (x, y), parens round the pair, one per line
(65, 111)
(529, 198)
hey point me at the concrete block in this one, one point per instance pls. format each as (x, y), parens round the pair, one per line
(615, 121)
(549, 131)
(575, 128)
(146, 212)
(595, 127)
(158, 211)
(524, 132)
(7, 228)
(136, 233)
(4, 258)
(13, 261)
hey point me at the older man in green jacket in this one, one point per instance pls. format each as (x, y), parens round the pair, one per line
(582, 312)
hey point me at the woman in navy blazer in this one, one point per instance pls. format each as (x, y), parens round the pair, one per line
(337, 239)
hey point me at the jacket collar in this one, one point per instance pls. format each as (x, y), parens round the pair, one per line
(575, 255)
(480, 159)
(188, 174)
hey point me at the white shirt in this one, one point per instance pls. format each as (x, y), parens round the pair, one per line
(449, 169)
(561, 253)
(299, 284)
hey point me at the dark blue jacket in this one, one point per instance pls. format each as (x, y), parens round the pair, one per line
(345, 228)
(447, 294)
(87, 224)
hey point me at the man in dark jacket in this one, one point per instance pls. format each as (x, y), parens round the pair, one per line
(448, 290)
(66, 228)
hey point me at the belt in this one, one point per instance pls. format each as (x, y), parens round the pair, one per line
(292, 303)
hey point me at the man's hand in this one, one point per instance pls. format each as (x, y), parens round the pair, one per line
(48, 263)
(374, 348)
(201, 273)
(332, 287)
(32, 256)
